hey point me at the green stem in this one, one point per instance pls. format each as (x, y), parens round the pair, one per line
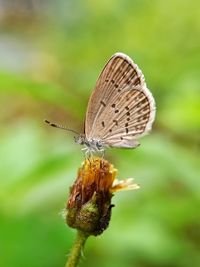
(76, 250)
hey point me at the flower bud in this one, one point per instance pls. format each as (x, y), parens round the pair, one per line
(89, 205)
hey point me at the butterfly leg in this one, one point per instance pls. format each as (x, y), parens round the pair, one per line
(88, 155)
(85, 154)
(102, 153)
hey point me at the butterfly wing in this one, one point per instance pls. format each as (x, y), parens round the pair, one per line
(109, 84)
(135, 119)
(121, 108)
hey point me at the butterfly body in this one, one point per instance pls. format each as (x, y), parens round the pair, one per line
(92, 145)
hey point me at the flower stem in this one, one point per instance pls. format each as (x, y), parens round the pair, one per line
(76, 250)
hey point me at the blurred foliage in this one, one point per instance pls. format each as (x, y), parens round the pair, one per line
(51, 53)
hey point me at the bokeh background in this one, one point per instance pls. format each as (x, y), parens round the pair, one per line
(51, 53)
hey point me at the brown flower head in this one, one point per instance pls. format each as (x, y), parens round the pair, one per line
(89, 205)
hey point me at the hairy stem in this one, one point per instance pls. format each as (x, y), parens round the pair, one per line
(76, 250)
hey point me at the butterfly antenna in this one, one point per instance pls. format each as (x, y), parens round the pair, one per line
(55, 125)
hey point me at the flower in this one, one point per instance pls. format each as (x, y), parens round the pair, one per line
(89, 205)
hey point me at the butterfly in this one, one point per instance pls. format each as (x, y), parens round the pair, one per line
(121, 108)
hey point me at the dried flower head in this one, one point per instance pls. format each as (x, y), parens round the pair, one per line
(89, 205)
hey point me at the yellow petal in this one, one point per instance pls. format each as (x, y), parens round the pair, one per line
(125, 184)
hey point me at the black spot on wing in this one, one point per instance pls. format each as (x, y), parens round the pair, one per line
(103, 103)
(116, 122)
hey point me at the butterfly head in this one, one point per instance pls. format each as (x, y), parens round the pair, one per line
(80, 139)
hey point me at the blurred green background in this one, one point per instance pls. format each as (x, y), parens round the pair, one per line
(51, 53)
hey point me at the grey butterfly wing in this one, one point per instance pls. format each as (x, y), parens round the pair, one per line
(108, 86)
(121, 108)
(137, 112)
